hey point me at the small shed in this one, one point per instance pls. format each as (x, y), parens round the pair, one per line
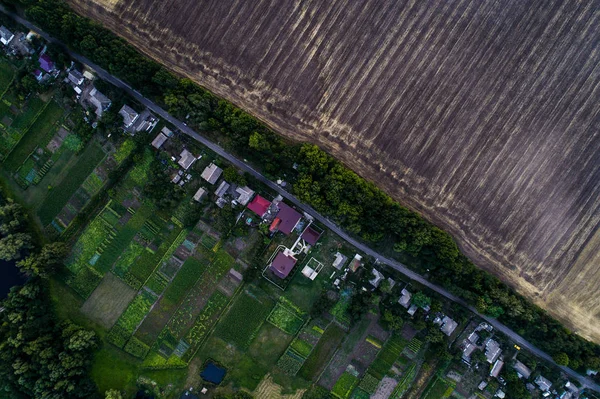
(199, 194)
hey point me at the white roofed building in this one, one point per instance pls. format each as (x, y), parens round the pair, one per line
(212, 173)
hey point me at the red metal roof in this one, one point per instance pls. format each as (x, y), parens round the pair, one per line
(310, 235)
(289, 218)
(282, 265)
(259, 205)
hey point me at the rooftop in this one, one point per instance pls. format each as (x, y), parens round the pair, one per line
(5, 35)
(283, 263)
(212, 173)
(492, 350)
(75, 77)
(355, 263)
(523, 370)
(496, 369)
(289, 218)
(46, 63)
(199, 194)
(339, 261)
(405, 298)
(259, 205)
(159, 140)
(310, 235)
(223, 187)
(187, 159)
(543, 383)
(244, 195)
(129, 115)
(448, 326)
(376, 280)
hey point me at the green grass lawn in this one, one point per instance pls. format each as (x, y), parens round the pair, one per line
(244, 319)
(185, 279)
(60, 195)
(437, 389)
(45, 124)
(108, 301)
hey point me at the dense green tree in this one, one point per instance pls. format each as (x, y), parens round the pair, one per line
(392, 321)
(561, 358)
(46, 262)
(113, 394)
(421, 300)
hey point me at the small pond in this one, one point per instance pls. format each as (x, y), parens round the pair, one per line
(213, 373)
(10, 277)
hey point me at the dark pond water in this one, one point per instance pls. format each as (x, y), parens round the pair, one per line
(213, 373)
(10, 277)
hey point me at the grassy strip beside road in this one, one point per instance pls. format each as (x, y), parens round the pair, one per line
(58, 197)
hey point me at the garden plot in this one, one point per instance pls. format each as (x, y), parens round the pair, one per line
(108, 301)
(322, 353)
(14, 124)
(438, 388)
(413, 347)
(344, 386)
(59, 196)
(405, 381)
(156, 320)
(133, 316)
(242, 322)
(301, 347)
(387, 356)
(286, 317)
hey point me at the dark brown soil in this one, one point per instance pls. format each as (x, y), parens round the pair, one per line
(483, 115)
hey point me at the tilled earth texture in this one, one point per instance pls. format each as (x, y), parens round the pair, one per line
(481, 114)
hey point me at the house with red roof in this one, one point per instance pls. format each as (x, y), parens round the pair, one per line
(283, 263)
(259, 205)
(286, 220)
(310, 235)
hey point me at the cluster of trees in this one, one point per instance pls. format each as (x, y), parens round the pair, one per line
(322, 182)
(15, 239)
(39, 357)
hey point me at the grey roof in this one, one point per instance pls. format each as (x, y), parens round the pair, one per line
(492, 350)
(405, 298)
(5, 34)
(375, 281)
(99, 100)
(448, 325)
(522, 369)
(187, 159)
(211, 173)
(159, 140)
(244, 195)
(129, 115)
(75, 77)
(223, 187)
(543, 383)
(167, 132)
(496, 369)
(199, 194)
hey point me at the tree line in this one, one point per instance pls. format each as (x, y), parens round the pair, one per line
(321, 181)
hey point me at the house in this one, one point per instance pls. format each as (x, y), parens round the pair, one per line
(543, 383)
(75, 77)
(159, 140)
(244, 194)
(572, 387)
(500, 394)
(5, 35)
(283, 263)
(309, 272)
(468, 351)
(448, 325)
(412, 310)
(212, 173)
(473, 338)
(355, 263)
(187, 159)
(129, 116)
(522, 370)
(377, 277)
(492, 350)
(145, 122)
(310, 235)
(46, 63)
(404, 300)
(495, 372)
(38, 75)
(259, 205)
(340, 260)
(223, 187)
(99, 101)
(199, 194)
(286, 220)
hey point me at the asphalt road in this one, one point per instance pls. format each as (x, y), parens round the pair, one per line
(524, 344)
